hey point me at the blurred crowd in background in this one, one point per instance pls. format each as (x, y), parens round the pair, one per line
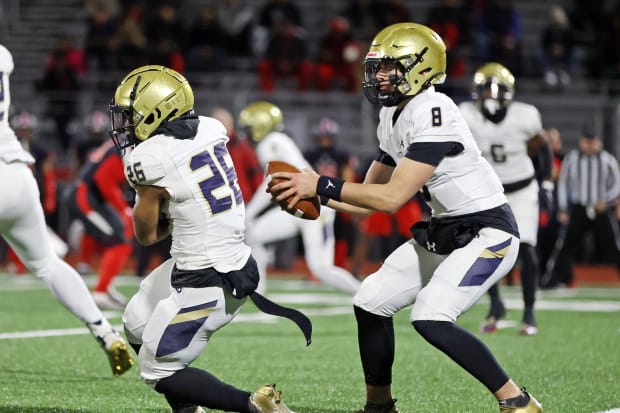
(271, 40)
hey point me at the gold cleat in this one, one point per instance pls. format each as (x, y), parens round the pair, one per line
(113, 345)
(119, 357)
(533, 406)
(268, 400)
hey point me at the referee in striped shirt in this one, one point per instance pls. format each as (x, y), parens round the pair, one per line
(588, 200)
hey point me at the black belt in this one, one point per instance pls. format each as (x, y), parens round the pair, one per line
(515, 186)
(241, 283)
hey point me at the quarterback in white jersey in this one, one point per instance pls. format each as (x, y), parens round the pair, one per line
(508, 133)
(470, 242)
(23, 227)
(263, 121)
(186, 185)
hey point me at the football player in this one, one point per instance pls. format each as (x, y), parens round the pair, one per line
(328, 159)
(264, 123)
(97, 199)
(23, 227)
(471, 240)
(509, 134)
(185, 185)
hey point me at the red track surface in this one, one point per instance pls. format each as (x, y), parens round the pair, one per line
(584, 274)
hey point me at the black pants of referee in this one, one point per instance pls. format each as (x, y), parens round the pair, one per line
(604, 228)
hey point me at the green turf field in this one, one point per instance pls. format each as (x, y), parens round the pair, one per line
(48, 362)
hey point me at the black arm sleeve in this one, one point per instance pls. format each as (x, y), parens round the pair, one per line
(543, 162)
(433, 152)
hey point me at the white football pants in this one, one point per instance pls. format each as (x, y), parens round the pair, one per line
(174, 326)
(524, 204)
(442, 286)
(22, 225)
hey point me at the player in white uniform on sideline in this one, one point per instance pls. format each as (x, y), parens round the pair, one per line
(263, 121)
(22, 225)
(186, 185)
(507, 133)
(470, 242)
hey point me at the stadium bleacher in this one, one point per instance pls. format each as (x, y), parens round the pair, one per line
(31, 27)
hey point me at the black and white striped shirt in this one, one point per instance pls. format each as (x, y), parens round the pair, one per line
(588, 179)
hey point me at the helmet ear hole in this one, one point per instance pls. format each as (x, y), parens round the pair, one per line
(149, 119)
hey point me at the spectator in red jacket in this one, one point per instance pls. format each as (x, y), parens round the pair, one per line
(286, 56)
(339, 57)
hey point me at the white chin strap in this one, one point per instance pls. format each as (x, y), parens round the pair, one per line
(491, 105)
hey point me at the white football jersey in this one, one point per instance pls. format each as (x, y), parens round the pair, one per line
(278, 146)
(10, 148)
(206, 206)
(504, 144)
(461, 184)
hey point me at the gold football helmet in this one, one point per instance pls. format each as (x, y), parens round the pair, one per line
(146, 98)
(260, 118)
(493, 88)
(415, 53)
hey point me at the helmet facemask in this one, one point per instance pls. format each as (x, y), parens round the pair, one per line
(123, 132)
(386, 95)
(493, 99)
(493, 90)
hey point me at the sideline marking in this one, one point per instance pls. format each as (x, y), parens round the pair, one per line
(611, 411)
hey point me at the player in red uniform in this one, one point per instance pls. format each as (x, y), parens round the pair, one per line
(97, 199)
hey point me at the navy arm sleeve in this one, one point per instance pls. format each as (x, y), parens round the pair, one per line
(385, 159)
(433, 152)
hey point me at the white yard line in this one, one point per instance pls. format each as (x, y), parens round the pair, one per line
(241, 318)
(336, 303)
(59, 332)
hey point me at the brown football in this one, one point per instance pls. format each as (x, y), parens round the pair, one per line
(309, 208)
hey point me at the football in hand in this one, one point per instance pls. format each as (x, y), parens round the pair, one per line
(308, 208)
